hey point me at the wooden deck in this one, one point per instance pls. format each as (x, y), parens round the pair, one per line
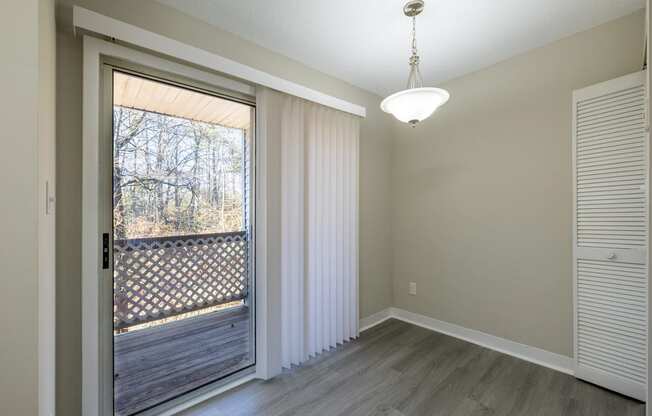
(157, 364)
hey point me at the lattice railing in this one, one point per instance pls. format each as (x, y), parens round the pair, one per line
(156, 278)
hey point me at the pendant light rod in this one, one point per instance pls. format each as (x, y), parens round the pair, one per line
(412, 9)
(414, 79)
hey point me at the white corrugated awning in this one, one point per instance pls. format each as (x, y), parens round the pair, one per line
(148, 95)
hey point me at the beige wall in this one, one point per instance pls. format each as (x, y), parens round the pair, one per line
(482, 211)
(375, 165)
(68, 226)
(18, 245)
(26, 116)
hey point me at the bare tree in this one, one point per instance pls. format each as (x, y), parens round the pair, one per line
(183, 176)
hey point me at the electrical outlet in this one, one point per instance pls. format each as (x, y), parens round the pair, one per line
(412, 289)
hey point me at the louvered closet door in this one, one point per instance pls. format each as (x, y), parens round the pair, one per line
(610, 144)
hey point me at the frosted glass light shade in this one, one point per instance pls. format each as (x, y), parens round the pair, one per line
(415, 104)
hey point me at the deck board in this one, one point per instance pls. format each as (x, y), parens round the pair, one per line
(156, 364)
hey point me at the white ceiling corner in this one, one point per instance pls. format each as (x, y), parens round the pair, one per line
(366, 42)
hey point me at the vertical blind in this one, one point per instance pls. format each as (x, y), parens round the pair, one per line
(319, 229)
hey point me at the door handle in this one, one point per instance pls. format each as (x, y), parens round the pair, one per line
(611, 256)
(105, 251)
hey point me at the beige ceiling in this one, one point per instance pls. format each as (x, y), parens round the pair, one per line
(148, 95)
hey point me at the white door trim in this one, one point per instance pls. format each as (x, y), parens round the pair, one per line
(103, 25)
(90, 230)
(648, 80)
(96, 374)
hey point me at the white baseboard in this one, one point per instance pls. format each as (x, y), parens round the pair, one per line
(535, 355)
(375, 319)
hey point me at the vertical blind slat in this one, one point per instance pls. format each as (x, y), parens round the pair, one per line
(319, 229)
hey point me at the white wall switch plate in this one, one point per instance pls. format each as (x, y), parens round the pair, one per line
(412, 290)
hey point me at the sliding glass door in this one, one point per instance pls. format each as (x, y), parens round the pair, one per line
(182, 237)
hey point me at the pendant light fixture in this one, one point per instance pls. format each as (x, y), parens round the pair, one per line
(415, 103)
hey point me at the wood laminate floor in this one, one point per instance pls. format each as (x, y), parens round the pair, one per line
(398, 369)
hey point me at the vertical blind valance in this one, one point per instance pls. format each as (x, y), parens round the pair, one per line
(319, 228)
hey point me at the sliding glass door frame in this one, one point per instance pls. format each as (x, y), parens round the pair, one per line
(98, 392)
